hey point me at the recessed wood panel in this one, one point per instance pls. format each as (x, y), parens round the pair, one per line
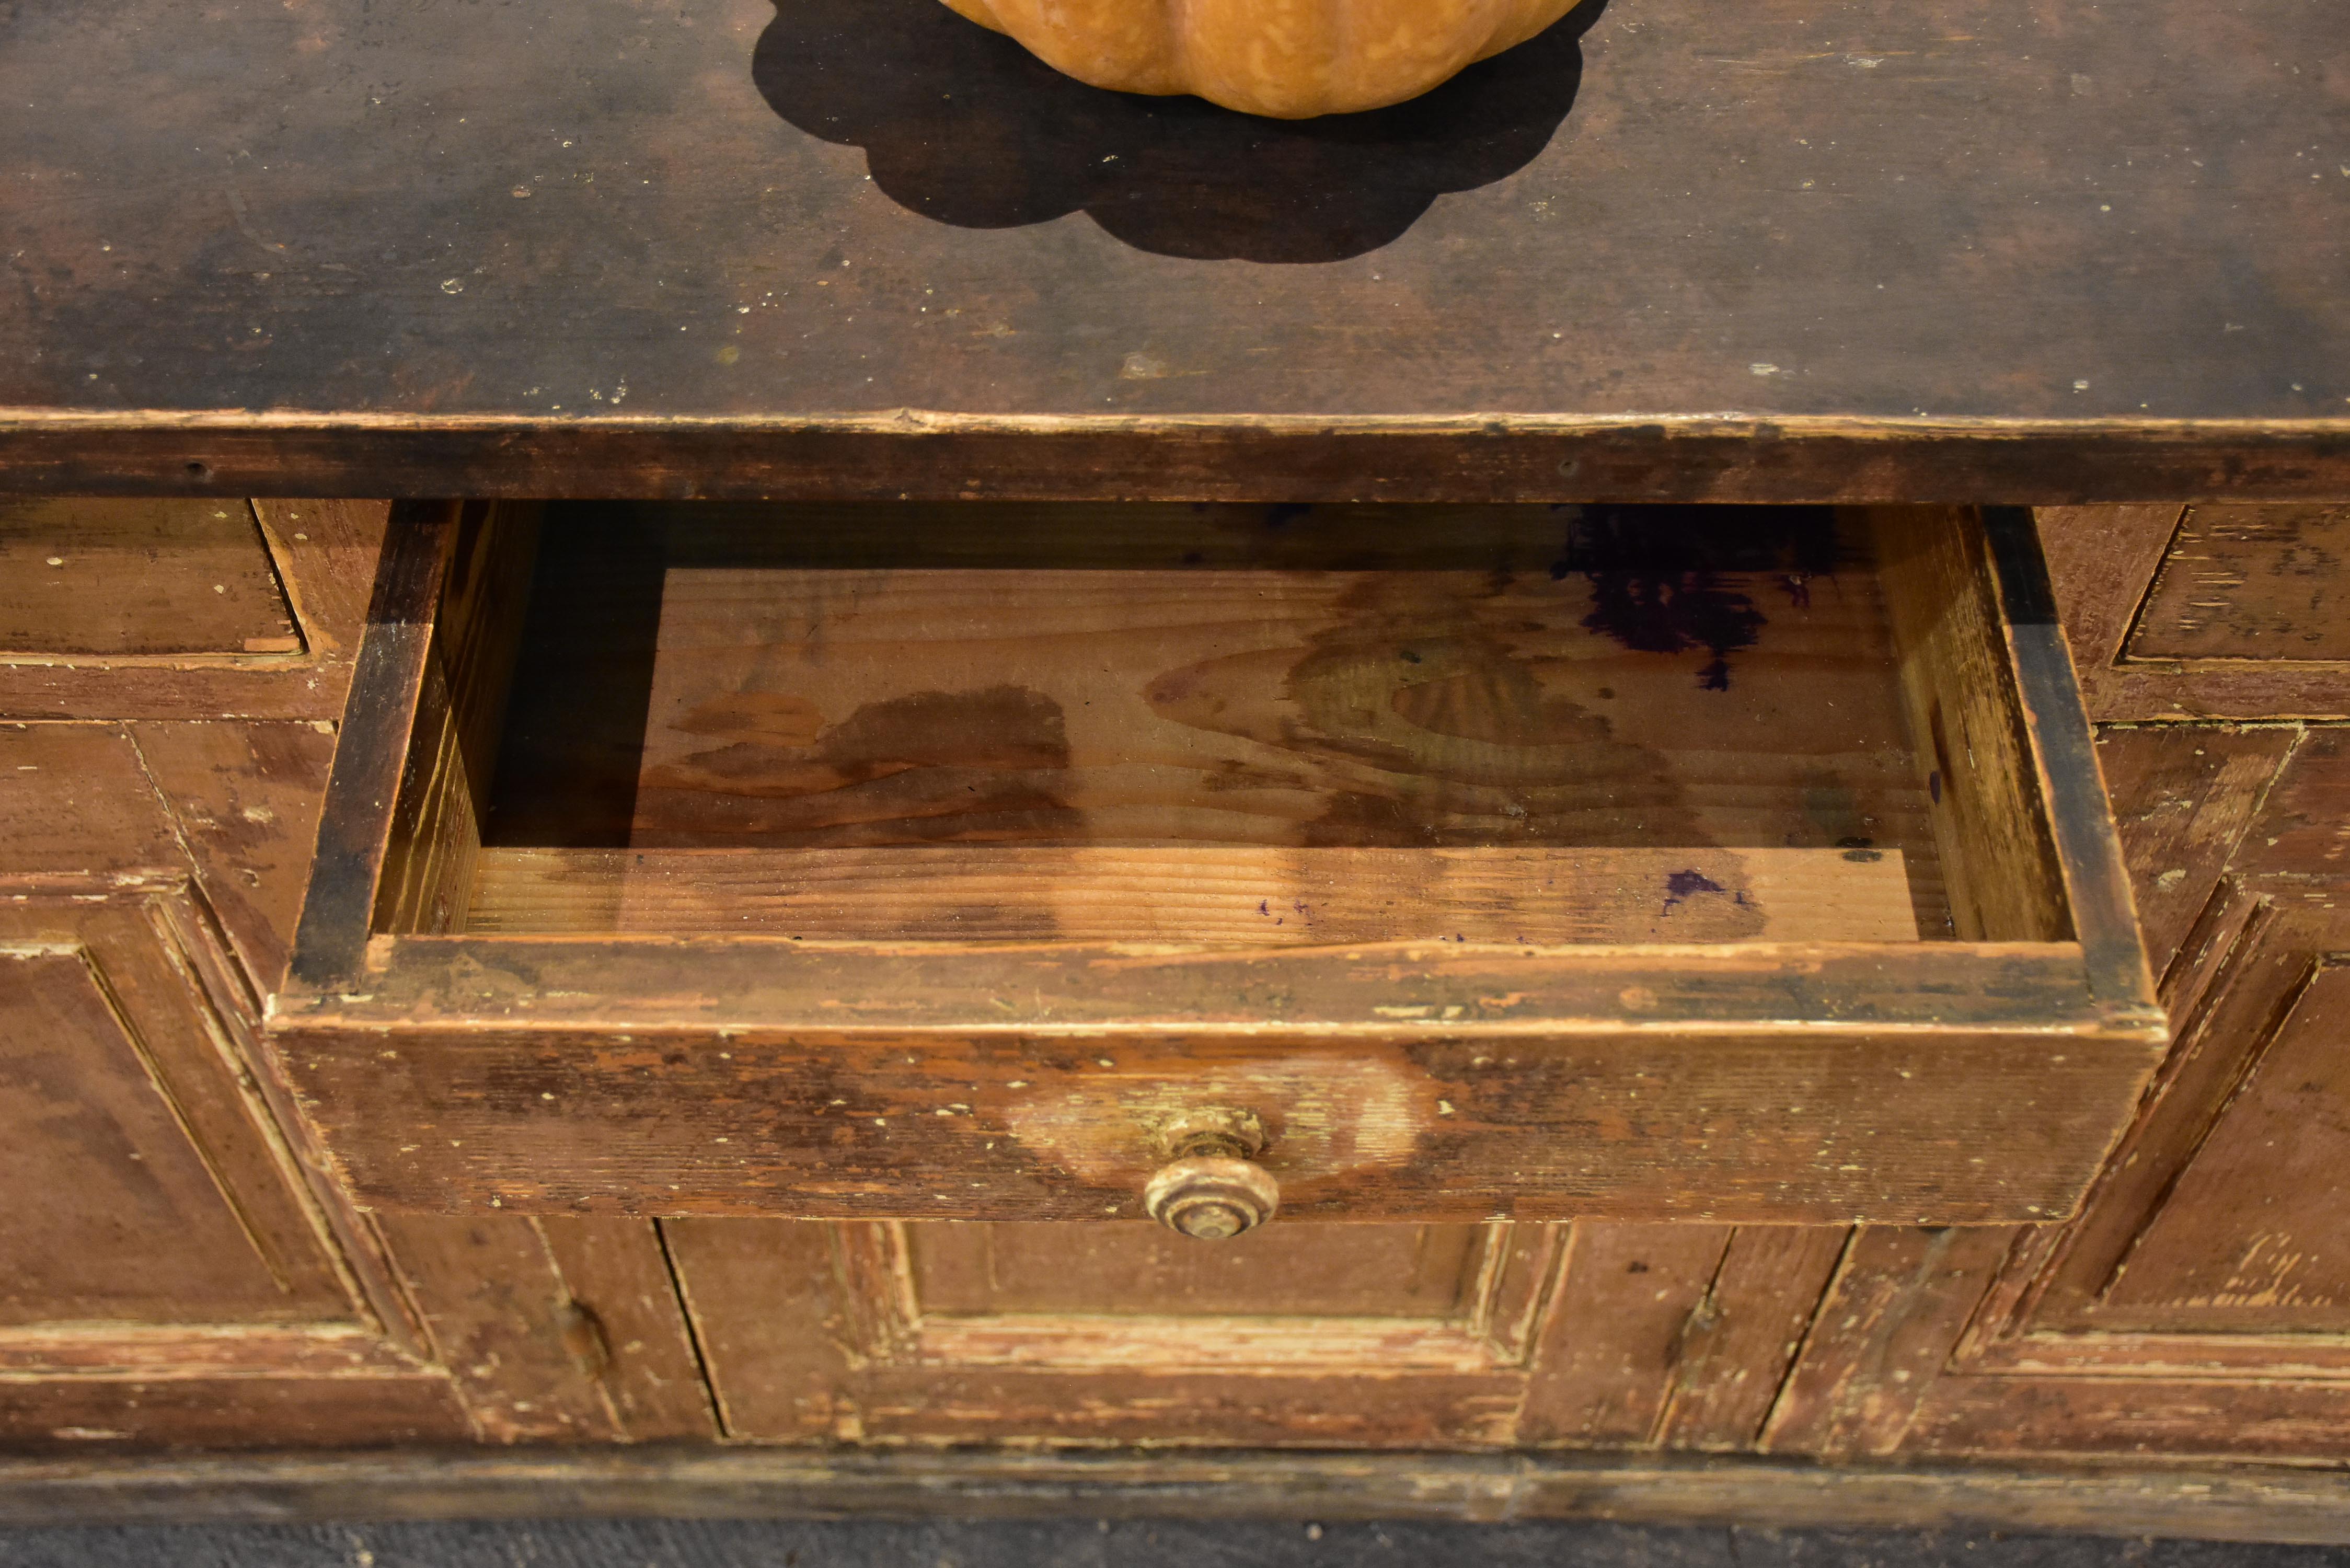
(117, 1212)
(2256, 1233)
(2183, 796)
(1128, 1271)
(138, 578)
(2252, 583)
(75, 806)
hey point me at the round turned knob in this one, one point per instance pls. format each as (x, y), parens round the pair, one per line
(1211, 1198)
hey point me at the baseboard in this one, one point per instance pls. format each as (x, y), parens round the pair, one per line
(2245, 1503)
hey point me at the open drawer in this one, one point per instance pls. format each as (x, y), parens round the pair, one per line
(992, 862)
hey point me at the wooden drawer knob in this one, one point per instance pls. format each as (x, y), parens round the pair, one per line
(1211, 1191)
(1211, 1200)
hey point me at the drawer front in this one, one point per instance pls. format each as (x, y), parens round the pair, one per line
(2251, 582)
(138, 578)
(175, 610)
(2209, 611)
(1077, 864)
(1745, 1129)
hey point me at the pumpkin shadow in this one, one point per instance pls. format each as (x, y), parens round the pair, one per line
(964, 126)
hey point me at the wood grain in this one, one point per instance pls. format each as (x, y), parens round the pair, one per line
(2250, 1232)
(129, 1221)
(1701, 683)
(1393, 1272)
(76, 811)
(2108, 560)
(1247, 458)
(494, 1307)
(137, 579)
(2229, 1503)
(2194, 1308)
(1593, 188)
(2251, 582)
(2183, 1421)
(1216, 897)
(787, 1321)
(184, 609)
(1959, 685)
(626, 1306)
(122, 1416)
(162, 1198)
(2100, 560)
(245, 799)
(435, 828)
(1453, 1125)
(1740, 1341)
(326, 552)
(1612, 1339)
(1884, 1334)
(2183, 797)
(1302, 1304)
(372, 745)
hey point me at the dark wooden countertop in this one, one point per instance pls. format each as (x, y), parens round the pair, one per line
(1781, 249)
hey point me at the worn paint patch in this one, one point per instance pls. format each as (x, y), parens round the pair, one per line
(1324, 1115)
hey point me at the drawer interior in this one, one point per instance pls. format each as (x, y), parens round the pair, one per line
(1247, 726)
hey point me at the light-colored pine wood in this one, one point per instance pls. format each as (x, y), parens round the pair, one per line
(1225, 897)
(444, 788)
(1968, 727)
(1209, 706)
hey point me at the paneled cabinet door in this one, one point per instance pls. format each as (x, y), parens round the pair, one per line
(1329, 1334)
(162, 1276)
(2201, 1302)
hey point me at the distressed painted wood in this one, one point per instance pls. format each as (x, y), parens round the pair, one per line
(2250, 582)
(1612, 1341)
(2150, 592)
(150, 1416)
(77, 812)
(149, 1194)
(175, 1272)
(137, 580)
(2178, 1501)
(2183, 798)
(1740, 1341)
(1882, 1336)
(831, 1079)
(623, 1319)
(2194, 1309)
(1358, 1336)
(244, 799)
(498, 1315)
(183, 609)
(2251, 1236)
(870, 260)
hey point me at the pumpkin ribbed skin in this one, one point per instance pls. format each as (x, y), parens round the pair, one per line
(1288, 58)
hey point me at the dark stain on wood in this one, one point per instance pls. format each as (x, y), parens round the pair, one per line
(1680, 887)
(925, 767)
(1658, 573)
(1728, 187)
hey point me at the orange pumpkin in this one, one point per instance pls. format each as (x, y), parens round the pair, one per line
(1288, 59)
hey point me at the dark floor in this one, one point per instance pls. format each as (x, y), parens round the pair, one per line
(1077, 1543)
